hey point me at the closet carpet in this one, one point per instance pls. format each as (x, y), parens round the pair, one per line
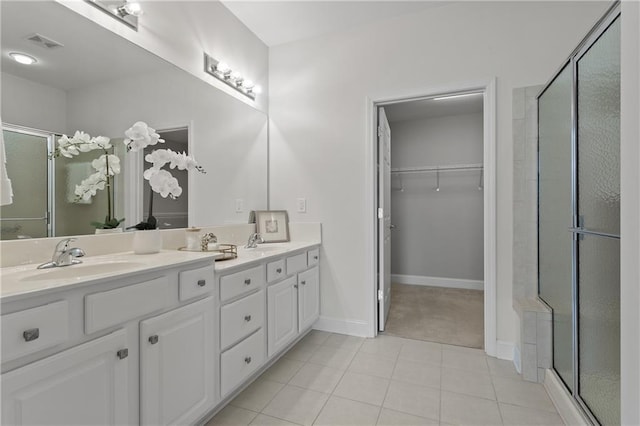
(436, 314)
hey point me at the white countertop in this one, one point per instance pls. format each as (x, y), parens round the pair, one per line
(22, 281)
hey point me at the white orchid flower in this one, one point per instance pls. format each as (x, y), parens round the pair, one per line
(140, 135)
(90, 186)
(100, 164)
(163, 183)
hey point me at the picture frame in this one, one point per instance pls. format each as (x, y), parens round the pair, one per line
(273, 225)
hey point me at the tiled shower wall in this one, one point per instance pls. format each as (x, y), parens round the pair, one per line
(535, 318)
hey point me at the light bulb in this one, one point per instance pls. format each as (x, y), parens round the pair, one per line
(236, 75)
(22, 58)
(256, 89)
(222, 67)
(133, 8)
(247, 84)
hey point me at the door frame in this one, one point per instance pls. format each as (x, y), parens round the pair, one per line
(488, 89)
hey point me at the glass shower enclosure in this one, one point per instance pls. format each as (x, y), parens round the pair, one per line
(579, 219)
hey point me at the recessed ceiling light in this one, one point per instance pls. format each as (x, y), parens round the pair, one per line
(22, 58)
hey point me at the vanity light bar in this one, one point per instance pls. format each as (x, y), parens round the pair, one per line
(223, 72)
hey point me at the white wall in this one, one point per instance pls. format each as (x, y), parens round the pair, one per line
(630, 211)
(437, 233)
(181, 31)
(318, 109)
(29, 104)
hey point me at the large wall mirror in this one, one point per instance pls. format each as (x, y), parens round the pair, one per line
(101, 83)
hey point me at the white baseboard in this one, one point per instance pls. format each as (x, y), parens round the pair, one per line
(564, 402)
(517, 360)
(350, 327)
(437, 282)
(505, 350)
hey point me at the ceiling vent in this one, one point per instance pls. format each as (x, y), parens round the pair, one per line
(43, 41)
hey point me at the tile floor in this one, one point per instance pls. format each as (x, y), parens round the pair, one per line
(333, 379)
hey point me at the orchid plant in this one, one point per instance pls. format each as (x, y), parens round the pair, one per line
(161, 181)
(106, 166)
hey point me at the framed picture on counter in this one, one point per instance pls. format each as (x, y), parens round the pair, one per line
(273, 225)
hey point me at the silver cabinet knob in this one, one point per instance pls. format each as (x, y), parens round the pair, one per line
(31, 334)
(247, 318)
(153, 339)
(315, 257)
(202, 283)
(295, 286)
(247, 360)
(122, 353)
(303, 282)
(279, 270)
(247, 281)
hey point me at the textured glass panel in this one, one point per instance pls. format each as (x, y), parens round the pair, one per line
(554, 211)
(599, 326)
(27, 169)
(599, 133)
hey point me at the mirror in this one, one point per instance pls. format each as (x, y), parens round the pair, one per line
(100, 83)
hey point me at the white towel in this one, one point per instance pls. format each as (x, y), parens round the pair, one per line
(6, 191)
(76, 173)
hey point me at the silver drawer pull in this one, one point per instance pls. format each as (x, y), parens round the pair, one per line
(247, 318)
(303, 282)
(279, 270)
(247, 360)
(122, 353)
(202, 283)
(315, 257)
(295, 286)
(153, 339)
(31, 334)
(247, 281)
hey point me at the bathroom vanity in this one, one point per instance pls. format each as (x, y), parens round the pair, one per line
(157, 339)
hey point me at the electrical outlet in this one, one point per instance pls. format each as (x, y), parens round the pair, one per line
(302, 205)
(239, 205)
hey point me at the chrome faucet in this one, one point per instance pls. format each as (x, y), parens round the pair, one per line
(63, 255)
(254, 239)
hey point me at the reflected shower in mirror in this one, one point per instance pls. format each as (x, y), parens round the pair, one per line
(88, 78)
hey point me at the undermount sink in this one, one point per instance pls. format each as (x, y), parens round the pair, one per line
(79, 271)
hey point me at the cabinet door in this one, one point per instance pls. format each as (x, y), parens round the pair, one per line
(84, 385)
(282, 322)
(177, 365)
(308, 298)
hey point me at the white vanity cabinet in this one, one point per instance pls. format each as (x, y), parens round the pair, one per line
(177, 365)
(137, 349)
(84, 385)
(293, 305)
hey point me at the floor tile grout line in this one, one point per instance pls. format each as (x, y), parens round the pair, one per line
(389, 385)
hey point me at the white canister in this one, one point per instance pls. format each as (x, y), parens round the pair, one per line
(147, 242)
(192, 238)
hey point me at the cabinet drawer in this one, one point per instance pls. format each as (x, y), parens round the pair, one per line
(241, 282)
(109, 308)
(275, 271)
(313, 256)
(195, 282)
(32, 330)
(241, 318)
(240, 361)
(296, 263)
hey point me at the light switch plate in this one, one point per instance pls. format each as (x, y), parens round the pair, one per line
(301, 203)
(239, 205)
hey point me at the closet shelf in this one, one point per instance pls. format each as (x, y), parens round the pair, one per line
(447, 168)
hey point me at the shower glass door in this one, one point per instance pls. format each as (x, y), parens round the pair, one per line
(28, 168)
(579, 219)
(598, 224)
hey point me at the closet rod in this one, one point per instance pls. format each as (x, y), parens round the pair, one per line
(449, 168)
